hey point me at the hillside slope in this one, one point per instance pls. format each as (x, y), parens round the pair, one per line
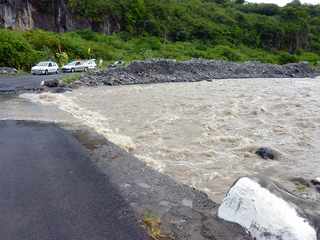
(139, 29)
(291, 28)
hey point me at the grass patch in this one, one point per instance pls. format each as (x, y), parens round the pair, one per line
(300, 187)
(152, 224)
(301, 184)
(70, 78)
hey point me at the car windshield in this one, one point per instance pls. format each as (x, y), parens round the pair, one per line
(72, 63)
(42, 64)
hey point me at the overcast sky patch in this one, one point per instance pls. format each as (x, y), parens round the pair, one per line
(284, 2)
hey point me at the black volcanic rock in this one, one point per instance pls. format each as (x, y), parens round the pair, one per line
(266, 153)
(163, 70)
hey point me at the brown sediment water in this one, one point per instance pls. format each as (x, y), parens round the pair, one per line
(202, 134)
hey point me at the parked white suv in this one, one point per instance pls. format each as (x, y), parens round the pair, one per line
(45, 68)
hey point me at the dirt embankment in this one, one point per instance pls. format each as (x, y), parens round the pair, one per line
(159, 71)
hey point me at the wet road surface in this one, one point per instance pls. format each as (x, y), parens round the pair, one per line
(49, 189)
(25, 82)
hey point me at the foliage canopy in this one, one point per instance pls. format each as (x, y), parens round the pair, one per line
(213, 29)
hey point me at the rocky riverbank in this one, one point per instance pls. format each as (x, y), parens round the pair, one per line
(153, 71)
(159, 71)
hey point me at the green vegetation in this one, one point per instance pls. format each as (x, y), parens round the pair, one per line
(300, 187)
(301, 184)
(70, 78)
(15, 50)
(211, 29)
(153, 226)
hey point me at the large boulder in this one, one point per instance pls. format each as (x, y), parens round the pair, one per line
(50, 83)
(269, 212)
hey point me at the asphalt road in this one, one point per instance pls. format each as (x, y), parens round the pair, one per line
(50, 189)
(23, 82)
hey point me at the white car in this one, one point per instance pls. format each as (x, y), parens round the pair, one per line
(75, 66)
(80, 66)
(91, 64)
(45, 68)
(116, 64)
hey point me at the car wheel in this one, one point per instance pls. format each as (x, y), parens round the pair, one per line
(57, 72)
(46, 72)
(73, 70)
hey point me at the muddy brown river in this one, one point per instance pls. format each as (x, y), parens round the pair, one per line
(201, 134)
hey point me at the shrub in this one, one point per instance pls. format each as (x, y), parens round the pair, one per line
(62, 58)
(225, 53)
(309, 57)
(285, 58)
(23, 49)
(15, 51)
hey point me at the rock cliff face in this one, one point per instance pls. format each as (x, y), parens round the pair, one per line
(52, 15)
(16, 14)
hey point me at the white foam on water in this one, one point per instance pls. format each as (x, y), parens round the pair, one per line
(157, 165)
(90, 118)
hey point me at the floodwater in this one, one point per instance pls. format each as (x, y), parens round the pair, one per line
(201, 134)
(20, 108)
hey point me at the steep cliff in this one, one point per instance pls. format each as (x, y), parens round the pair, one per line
(52, 15)
(16, 14)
